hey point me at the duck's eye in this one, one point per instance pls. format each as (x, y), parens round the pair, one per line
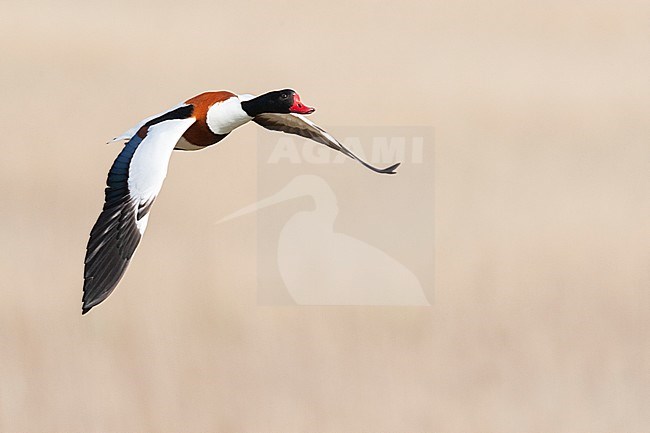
(284, 96)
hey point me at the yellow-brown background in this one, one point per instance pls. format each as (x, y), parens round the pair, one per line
(540, 317)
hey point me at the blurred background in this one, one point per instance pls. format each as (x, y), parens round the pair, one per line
(540, 316)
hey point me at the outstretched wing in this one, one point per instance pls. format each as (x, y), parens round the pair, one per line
(133, 183)
(296, 124)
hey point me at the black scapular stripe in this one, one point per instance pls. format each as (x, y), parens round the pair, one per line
(179, 113)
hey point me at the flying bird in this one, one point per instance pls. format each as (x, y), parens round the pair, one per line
(137, 174)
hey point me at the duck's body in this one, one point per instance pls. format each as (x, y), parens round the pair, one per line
(137, 174)
(216, 115)
(223, 111)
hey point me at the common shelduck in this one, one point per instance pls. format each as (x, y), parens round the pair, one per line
(137, 174)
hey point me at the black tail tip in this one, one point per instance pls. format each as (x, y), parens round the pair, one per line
(85, 309)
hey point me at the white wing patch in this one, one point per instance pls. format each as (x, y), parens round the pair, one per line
(148, 167)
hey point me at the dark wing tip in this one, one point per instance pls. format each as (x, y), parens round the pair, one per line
(387, 170)
(91, 297)
(391, 169)
(90, 303)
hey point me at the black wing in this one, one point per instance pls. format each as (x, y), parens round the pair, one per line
(115, 235)
(133, 183)
(299, 125)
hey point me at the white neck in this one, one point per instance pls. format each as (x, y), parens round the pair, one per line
(224, 117)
